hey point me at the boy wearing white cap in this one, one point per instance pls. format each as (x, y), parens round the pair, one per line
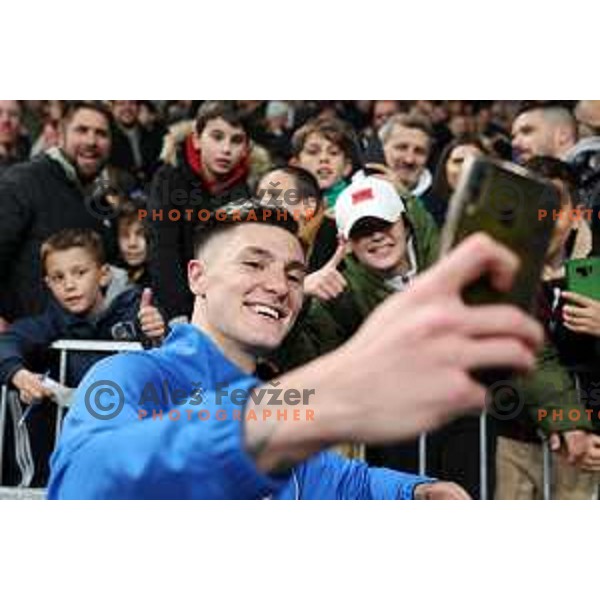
(385, 242)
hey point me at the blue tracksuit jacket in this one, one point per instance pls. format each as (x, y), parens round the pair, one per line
(121, 439)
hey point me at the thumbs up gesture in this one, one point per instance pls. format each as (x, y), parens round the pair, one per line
(327, 283)
(151, 321)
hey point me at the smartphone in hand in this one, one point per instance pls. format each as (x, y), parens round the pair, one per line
(503, 200)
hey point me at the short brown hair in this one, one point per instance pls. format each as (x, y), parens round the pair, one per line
(99, 107)
(66, 239)
(128, 212)
(333, 130)
(219, 109)
(410, 121)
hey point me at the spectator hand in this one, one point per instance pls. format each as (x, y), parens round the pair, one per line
(327, 283)
(151, 321)
(591, 459)
(582, 314)
(386, 173)
(575, 445)
(440, 490)
(30, 386)
(4, 324)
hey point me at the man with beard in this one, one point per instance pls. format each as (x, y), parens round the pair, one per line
(43, 196)
(135, 149)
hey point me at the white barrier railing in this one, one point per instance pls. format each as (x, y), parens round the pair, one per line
(63, 347)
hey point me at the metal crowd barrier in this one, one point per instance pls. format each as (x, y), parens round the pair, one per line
(63, 347)
(483, 460)
(110, 347)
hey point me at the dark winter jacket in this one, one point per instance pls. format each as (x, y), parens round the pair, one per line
(150, 145)
(27, 342)
(179, 187)
(37, 199)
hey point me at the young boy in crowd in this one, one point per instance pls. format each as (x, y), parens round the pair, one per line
(132, 238)
(209, 167)
(327, 148)
(76, 273)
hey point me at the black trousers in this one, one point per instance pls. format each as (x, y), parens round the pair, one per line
(452, 455)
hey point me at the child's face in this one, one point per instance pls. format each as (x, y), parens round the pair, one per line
(379, 245)
(132, 243)
(222, 147)
(324, 159)
(76, 280)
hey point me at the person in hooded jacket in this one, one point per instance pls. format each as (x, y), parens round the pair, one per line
(208, 168)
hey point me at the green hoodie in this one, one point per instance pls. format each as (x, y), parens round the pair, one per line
(323, 326)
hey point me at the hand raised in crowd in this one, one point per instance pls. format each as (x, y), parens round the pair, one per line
(30, 386)
(581, 314)
(328, 283)
(575, 445)
(440, 490)
(151, 321)
(388, 174)
(590, 461)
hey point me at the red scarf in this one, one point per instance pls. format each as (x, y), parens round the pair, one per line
(215, 186)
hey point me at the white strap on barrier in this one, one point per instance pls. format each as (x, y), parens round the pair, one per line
(95, 346)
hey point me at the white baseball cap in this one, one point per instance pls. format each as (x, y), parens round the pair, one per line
(367, 196)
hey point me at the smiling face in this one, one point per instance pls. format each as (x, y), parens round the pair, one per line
(126, 112)
(380, 245)
(324, 159)
(248, 285)
(86, 142)
(222, 147)
(406, 152)
(76, 279)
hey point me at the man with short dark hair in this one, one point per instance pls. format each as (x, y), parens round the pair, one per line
(192, 420)
(45, 195)
(543, 131)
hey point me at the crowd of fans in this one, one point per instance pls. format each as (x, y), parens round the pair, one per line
(100, 203)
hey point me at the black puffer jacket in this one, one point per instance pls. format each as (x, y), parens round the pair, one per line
(37, 199)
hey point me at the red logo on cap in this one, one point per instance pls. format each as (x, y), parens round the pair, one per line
(362, 195)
